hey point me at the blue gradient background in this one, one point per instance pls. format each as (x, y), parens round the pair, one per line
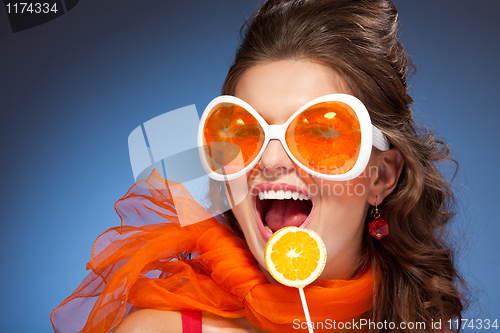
(73, 89)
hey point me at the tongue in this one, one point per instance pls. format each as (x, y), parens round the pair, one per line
(287, 213)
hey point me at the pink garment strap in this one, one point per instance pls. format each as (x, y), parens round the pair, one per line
(191, 321)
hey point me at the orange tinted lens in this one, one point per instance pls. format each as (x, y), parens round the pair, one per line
(232, 138)
(326, 138)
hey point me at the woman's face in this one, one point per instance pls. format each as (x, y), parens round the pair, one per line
(336, 210)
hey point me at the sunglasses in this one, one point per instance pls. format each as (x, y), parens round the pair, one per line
(330, 137)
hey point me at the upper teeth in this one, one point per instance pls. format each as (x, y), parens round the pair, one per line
(281, 195)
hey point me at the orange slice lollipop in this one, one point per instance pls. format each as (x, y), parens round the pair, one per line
(295, 256)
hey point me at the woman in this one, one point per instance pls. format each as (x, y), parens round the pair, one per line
(295, 52)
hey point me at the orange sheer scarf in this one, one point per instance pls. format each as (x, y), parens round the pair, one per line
(143, 264)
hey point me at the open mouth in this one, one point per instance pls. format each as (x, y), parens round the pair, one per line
(281, 205)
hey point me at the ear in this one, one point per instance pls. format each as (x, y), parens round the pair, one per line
(389, 165)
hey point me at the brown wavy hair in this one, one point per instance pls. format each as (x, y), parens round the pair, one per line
(358, 38)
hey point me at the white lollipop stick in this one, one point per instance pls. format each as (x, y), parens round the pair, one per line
(306, 310)
(290, 248)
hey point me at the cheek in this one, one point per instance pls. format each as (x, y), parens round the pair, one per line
(240, 200)
(343, 209)
(238, 190)
(347, 192)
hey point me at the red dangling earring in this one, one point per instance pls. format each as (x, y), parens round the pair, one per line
(378, 228)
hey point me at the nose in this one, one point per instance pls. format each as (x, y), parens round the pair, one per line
(275, 162)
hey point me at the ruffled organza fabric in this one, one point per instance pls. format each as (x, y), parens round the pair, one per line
(144, 263)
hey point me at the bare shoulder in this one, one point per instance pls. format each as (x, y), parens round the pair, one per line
(160, 321)
(151, 321)
(215, 324)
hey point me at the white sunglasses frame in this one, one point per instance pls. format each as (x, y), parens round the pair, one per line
(370, 136)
